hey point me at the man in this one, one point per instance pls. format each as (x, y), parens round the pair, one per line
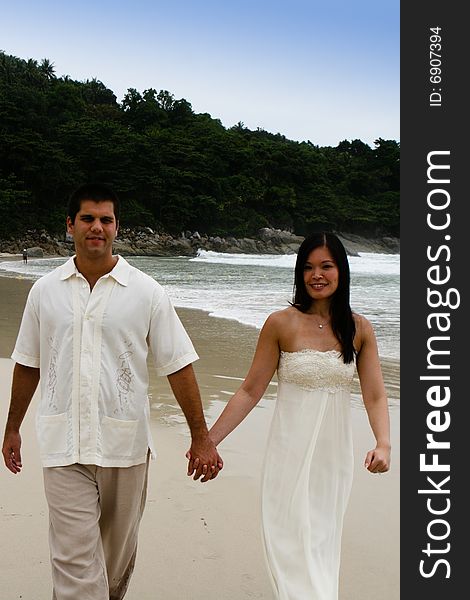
(85, 334)
(25, 256)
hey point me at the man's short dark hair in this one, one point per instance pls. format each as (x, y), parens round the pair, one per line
(97, 192)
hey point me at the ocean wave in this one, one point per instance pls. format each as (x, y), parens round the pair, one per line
(366, 262)
(254, 260)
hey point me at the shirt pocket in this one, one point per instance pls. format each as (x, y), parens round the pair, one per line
(118, 437)
(52, 433)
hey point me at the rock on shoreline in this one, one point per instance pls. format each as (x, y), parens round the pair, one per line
(143, 241)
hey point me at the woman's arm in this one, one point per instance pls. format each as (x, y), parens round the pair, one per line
(250, 392)
(374, 396)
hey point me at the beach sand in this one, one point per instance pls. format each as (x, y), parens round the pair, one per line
(200, 541)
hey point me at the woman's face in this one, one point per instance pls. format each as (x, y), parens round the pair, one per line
(320, 274)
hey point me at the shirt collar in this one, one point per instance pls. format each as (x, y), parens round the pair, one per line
(120, 272)
(68, 269)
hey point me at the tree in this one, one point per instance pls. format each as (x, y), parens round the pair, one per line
(47, 68)
(177, 168)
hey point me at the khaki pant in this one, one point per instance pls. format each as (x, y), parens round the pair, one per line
(94, 517)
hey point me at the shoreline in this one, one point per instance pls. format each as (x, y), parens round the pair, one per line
(191, 531)
(192, 316)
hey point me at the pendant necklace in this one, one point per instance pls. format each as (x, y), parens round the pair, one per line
(322, 325)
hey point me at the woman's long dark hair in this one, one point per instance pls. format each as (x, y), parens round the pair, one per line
(342, 321)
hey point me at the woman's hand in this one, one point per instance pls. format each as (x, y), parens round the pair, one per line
(203, 471)
(378, 460)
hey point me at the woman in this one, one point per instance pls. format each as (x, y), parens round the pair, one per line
(315, 345)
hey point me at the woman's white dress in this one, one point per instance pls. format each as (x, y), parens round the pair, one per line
(308, 474)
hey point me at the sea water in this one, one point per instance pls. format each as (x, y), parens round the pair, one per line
(248, 287)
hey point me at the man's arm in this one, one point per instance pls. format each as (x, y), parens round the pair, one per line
(25, 382)
(203, 451)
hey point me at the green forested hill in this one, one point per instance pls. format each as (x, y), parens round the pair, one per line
(175, 169)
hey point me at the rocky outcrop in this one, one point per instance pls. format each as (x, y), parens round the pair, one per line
(143, 241)
(269, 241)
(355, 243)
(38, 244)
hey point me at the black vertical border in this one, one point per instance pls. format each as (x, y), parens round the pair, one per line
(426, 128)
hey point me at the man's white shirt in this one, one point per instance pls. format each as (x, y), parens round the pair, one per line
(91, 348)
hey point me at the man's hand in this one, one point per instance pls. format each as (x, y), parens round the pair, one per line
(24, 384)
(203, 460)
(11, 451)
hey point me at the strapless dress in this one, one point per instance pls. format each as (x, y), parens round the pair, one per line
(307, 474)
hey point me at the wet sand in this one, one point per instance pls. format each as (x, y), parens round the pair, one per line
(201, 541)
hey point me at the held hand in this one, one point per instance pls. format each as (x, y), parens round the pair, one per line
(194, 466)
(203, 460)
(378, 460)
(11, 451)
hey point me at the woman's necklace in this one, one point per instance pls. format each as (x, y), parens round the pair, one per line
(321, 325)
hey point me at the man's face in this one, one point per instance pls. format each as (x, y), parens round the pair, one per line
(94, 229)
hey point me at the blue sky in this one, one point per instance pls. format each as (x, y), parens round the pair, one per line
(323, 71)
